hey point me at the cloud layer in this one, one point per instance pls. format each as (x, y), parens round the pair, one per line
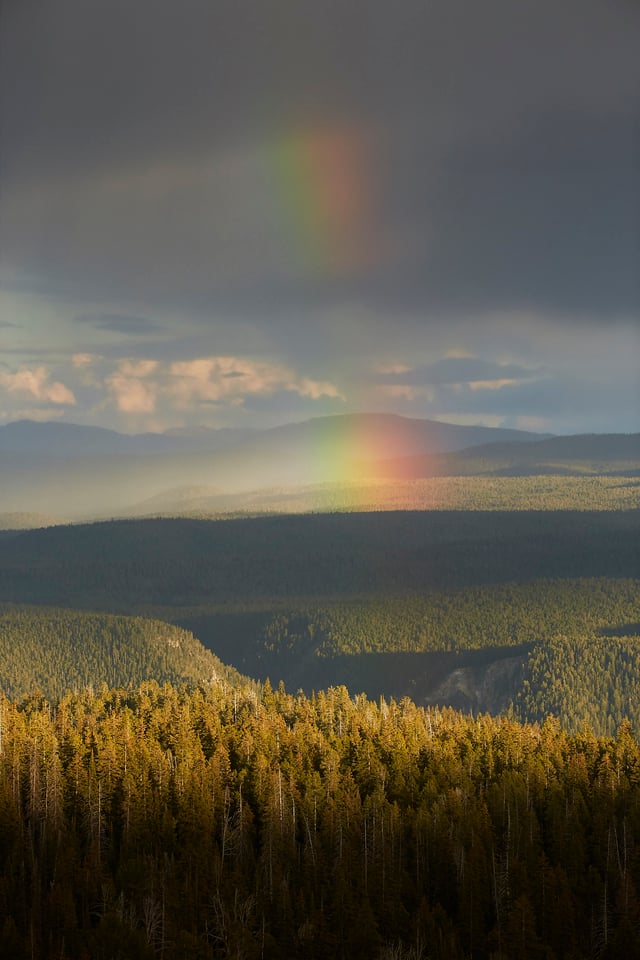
(169, 391)
(273, 201)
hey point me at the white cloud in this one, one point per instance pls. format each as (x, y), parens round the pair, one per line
(131, 394)
(393, 368)
(131, 388)
(83, 360)
(458, 354)
(317, 389)
(163, 388)
(405, 391)
(227, 378)
(493, 384)
(35, 382)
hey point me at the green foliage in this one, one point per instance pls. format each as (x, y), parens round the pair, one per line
(220, 822)
(397, 645)
(57, 650)
(134, 566)
(395, 604)
(506, 615)
(591, 492)
(581, 680)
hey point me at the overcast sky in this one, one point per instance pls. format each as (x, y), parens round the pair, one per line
(245, 213)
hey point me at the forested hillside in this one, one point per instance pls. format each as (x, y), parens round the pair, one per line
(538, 492)
(453, 608)
(483, 493)
(469, 619)
(223, 823)
(567, 648)
(127, 565)
(53, 651)
(584, 680)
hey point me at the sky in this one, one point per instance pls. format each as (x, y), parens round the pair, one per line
(228, 213)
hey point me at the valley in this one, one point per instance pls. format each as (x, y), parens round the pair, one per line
(393, 717)
(454, 608)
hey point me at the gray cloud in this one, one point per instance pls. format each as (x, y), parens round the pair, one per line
(159, 159)
(583, 405)
(495, 182)
(206, 74)
(119, 323)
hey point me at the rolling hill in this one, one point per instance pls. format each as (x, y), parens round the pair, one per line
(134, 565)
(87, 473)
(583, 455)
(54, 650)
(443, 606)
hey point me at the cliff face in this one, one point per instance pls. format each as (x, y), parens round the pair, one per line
(478, 688)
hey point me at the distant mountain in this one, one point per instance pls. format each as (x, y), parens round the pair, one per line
(86, 472)
(81, 473)
(72, 439)
(582, 455)
(362, 433)
(399, 436)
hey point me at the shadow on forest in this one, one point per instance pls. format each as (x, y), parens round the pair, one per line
(623, 630)
(468, 680)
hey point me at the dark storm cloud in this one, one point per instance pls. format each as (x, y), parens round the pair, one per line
(92, 80)
(157, 201)
(549, 218)
(503, 150)
(118, 323)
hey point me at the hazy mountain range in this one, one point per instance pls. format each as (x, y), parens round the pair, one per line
(66, 471)
(585, 454)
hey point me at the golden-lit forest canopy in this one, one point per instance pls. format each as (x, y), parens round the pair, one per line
(53, 651)
(223, 822)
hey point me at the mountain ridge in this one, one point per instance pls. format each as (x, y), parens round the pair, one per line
(603, 454)
(84, 473)
(30, 435)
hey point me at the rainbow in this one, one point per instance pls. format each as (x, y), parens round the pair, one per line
(320, 185)
(350, 448)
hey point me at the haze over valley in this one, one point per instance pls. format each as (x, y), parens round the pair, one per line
(365, 461)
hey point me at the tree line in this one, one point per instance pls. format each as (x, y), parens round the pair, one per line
(226, 821)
